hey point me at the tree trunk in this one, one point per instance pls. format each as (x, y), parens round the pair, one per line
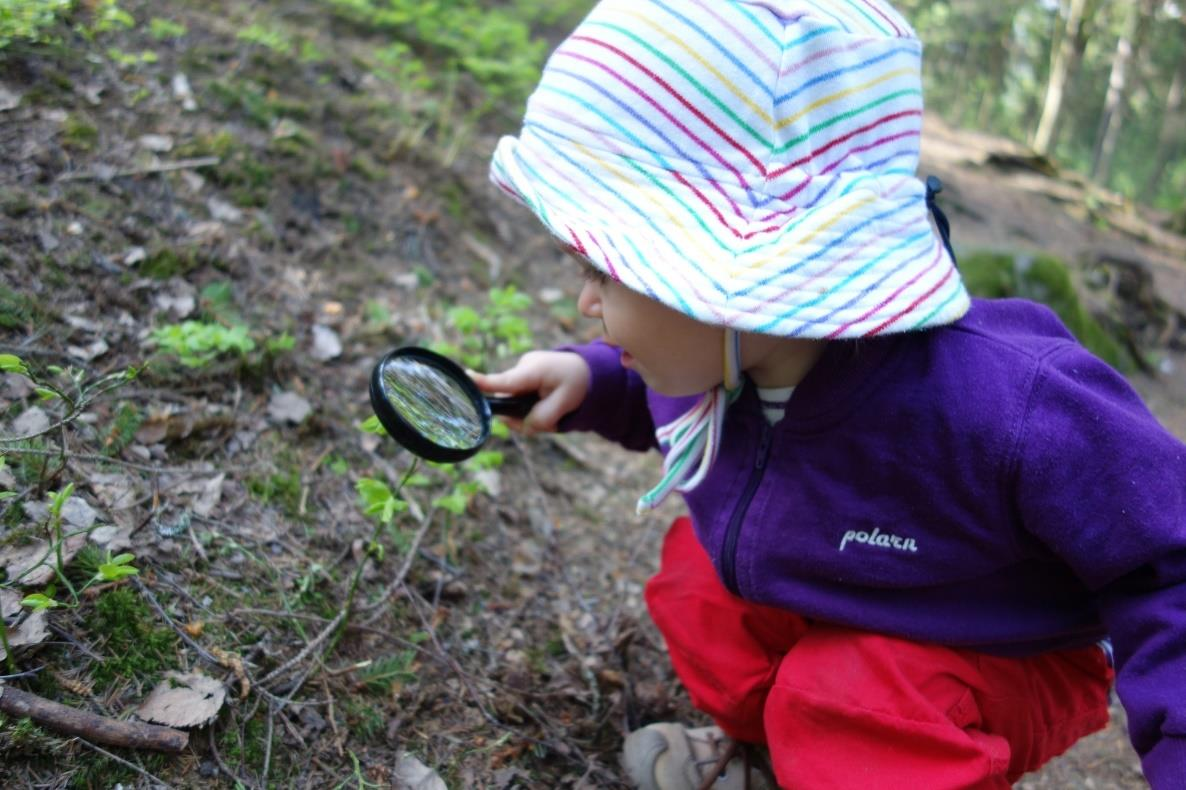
(1173, 124)
(999, 57)
(1063, 65)
(1128, 48)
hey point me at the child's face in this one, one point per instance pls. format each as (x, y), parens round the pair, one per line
(674, 354)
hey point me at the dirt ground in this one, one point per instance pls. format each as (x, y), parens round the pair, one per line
(502, 646)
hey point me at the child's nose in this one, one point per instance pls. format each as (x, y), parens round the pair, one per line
(589, 302)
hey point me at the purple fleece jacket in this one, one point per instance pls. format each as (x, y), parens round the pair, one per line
(989, 484)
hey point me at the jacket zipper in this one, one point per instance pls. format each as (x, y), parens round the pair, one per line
(729, 552)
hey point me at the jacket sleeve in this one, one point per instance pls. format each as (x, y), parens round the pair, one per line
(1104, 485)
(616, 404)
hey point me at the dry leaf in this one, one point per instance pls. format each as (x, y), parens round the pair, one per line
(112, 538)
(211, 495)
(491, 480)
(32, 631)
(289, 407)
(114, 490)
(528, 559)
(157, 143)
(326, 343)
(224, 212)
(16, 560)
(184, 700)
(10, 99)
(33, 420)
(10, 603)
(411, 774)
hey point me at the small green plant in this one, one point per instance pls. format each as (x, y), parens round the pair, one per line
(29, 20)
(372, 425)
(130, 60)
(124, 424)
(268, 37)
(197, 343)
(382, 675)
(378, 500)
(493, 45)
(79, 133)
(165, 29)
(33, 21)
(494, 332)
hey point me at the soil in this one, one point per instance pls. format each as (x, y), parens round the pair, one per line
(514, 650)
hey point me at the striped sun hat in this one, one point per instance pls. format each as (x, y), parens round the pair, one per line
(750, 163)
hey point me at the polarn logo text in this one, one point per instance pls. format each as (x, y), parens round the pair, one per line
(876, 538)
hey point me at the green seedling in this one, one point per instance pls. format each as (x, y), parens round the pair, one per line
(496, 331)
(41, 601)
(266, 37)
(165, 29)
(196, 343)
(116, 568)
(372, 425)
(378, 500)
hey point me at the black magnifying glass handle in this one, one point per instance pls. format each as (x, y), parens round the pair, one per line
(512, 405)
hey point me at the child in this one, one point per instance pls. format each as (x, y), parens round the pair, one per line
(902, 574)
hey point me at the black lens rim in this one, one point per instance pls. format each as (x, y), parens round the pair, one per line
(403, 431)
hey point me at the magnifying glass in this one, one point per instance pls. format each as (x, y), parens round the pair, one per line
(429, 405)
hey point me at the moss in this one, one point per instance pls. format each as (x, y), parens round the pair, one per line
(1047, 280)
(282, 487)
(17, 205)
(102, 772)
(248, 751)
(167, 262)
(18, 310)
(23, 738)
(365, 721)
(130, 640)
(79, 133)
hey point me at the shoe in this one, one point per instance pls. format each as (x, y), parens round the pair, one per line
(669, 756)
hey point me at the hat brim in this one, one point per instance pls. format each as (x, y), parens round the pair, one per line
(858, 261)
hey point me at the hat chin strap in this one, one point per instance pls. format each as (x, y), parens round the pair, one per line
(693, 439)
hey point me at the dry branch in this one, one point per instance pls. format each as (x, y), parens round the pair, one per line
(164, 167)
(100, 729)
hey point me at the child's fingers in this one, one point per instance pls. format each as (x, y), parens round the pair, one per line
(546, 414)
(513, 381)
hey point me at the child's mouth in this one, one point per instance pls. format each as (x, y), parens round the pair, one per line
(627, 358)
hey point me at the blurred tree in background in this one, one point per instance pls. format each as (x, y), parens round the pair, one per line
(1095, 84)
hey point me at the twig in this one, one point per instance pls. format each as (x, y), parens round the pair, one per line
(64, 634)
(28, 673)
(376, 607)
(147, 593)
(113, 732)
(126, 763)
(268, 746)
(107, 459)
(226, 769)
(163, 167)
(333, 724)
(325, 634)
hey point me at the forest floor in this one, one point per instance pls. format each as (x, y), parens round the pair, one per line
(497, 636)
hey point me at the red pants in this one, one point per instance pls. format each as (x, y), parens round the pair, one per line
(840, 708)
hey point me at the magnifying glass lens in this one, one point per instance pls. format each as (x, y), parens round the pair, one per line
(433, 403)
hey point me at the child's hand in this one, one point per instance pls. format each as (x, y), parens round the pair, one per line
(560, 377)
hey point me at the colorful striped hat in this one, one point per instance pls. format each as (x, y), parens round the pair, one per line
(750, 163)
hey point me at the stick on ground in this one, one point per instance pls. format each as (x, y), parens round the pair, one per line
(99, 729)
